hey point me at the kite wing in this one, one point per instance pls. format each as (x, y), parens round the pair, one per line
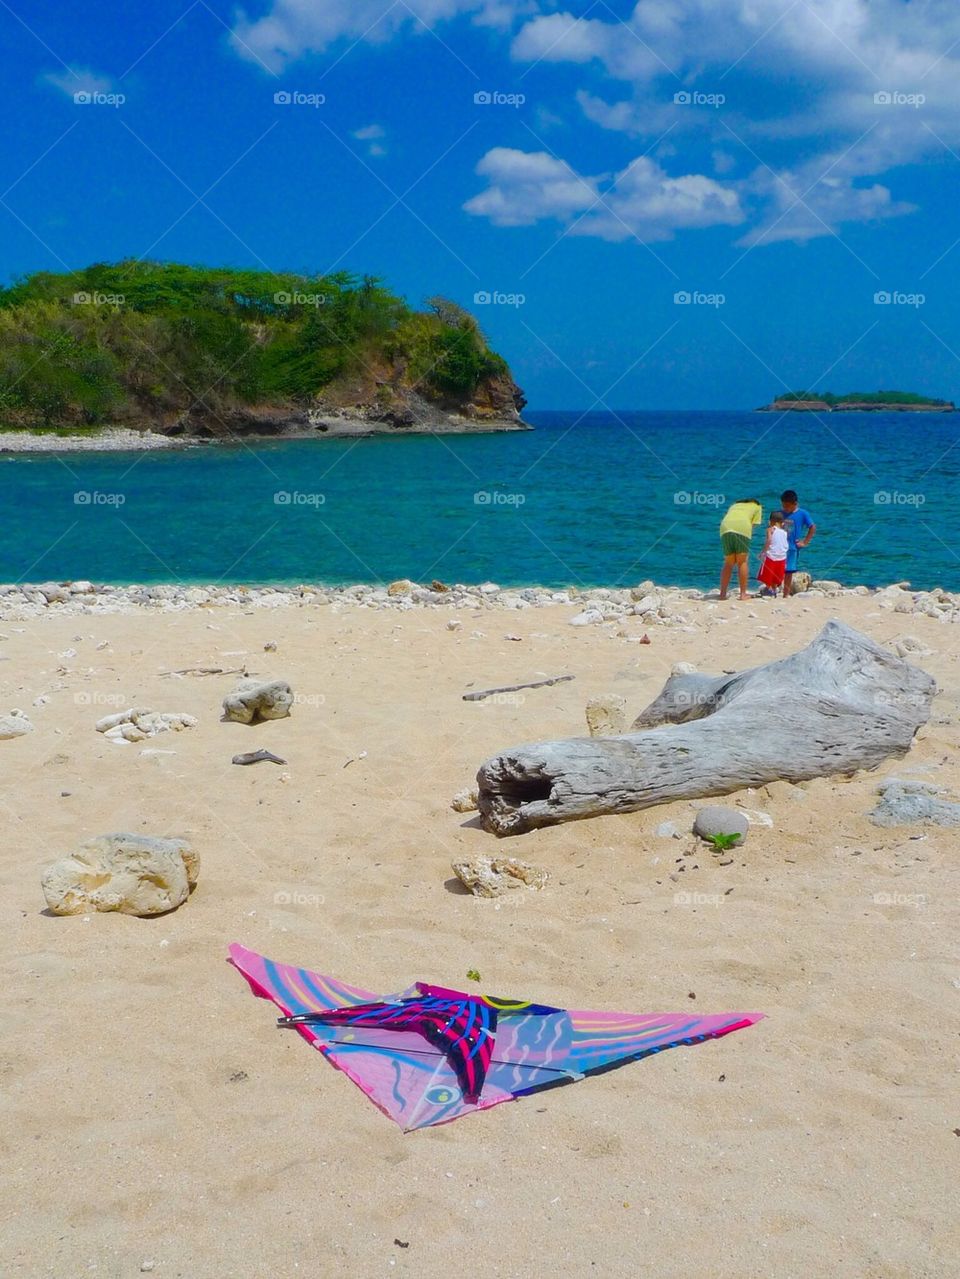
(431, 1054)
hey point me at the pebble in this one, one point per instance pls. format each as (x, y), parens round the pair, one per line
(655, 604)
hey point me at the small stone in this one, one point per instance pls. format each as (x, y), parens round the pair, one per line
(715, 819)
(905, 802)
(135, 725)
(910, 646)
(454, 624)
(494, 876)
(255, 700)
(402, 586)
(134, 874)
(516, 638)
(465, 800)
(607, 715)
(489, 588)
(15, 724)
(683, 668)
(270, 646)
(589, 617)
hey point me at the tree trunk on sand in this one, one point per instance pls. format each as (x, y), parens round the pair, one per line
(841, 704)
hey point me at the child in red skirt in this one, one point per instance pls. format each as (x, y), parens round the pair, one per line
(774, 560)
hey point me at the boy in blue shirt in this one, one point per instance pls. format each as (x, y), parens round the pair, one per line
(800, 529)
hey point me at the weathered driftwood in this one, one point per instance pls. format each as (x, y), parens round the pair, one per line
(515, 688)
(839, 705)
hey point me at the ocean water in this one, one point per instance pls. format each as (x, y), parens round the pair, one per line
(594, 499)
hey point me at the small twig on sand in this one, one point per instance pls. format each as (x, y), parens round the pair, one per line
(208, 670)
(515, 688)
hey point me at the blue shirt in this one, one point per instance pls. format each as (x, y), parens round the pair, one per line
(797, 525)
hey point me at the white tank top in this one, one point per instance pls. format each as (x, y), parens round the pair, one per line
(777, 550)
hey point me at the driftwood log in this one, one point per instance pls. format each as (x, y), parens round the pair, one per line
(841, 704)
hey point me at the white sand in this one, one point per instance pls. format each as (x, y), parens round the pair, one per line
(153, 1112)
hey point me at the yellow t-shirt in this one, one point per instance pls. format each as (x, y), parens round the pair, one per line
(742, 517)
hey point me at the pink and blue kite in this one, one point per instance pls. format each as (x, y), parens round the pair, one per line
(431, 1055)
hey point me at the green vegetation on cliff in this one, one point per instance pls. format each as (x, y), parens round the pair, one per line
(146, 343)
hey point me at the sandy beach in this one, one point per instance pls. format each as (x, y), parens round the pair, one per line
(155, 1118)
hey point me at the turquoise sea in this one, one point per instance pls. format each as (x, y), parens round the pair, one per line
(585, 499)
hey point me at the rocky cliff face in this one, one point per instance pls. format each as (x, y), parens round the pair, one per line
(374, 400)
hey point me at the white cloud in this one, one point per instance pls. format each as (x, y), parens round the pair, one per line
(561, 37)
(642, 202)
(293, 28)
(803, 205)
(371, 133)
(526, 186)
(78, 80)
(799, 78)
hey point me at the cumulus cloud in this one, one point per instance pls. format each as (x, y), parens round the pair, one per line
(803, 205)
(292, 28)
(849, 89)
(74, 80)
(642, 202)
(526, 186)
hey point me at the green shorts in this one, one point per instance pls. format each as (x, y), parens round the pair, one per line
(734, 544)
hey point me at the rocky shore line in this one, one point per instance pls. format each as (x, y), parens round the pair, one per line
(656, 605)
(120, 439)
(328, 426)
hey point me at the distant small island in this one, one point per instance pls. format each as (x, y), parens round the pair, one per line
(164, 351)
(856, 402)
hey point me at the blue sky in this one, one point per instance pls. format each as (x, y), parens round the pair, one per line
(779, 162)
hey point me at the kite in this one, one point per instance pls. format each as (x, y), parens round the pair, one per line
(430, 1055)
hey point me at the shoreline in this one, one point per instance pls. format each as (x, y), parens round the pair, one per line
(331, 427)
(597, 605)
